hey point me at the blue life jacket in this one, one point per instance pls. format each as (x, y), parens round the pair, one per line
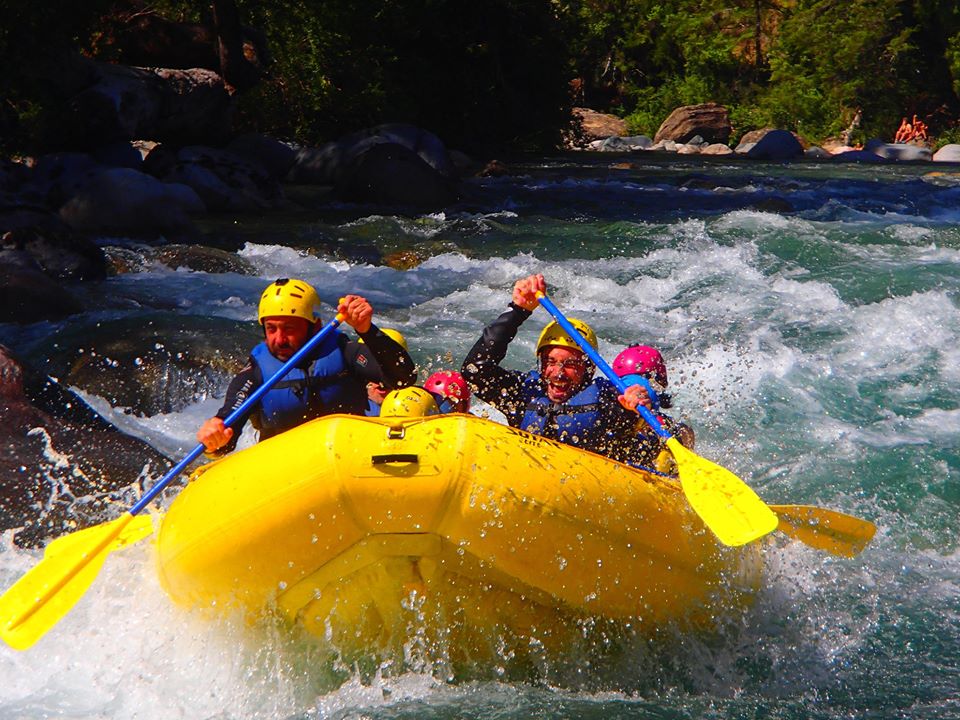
(575, 422)
(325, 387)
(373, 409)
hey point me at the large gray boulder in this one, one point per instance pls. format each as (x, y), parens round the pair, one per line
(716, 149)
(598, 126)
(615, 143)
(274, 156)
(125, 201)
(775, 145)
(708, 120)
(948, 153)
(174, 105)
(316, 166)
(27, 294)
(223, 180)
(427, 146)
(150, 364)
(325, 165)
(856, 156)
(61, 254)
(816, 153)
(59, 176)
(901, 152)
(392, 174)
(59, 460)
(122, 102)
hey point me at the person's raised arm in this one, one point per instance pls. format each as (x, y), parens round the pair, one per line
(392, 366)
(481, 367)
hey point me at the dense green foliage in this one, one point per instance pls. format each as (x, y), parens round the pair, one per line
(503, 74)
(479, 74)
(802, 65)
(35, 39)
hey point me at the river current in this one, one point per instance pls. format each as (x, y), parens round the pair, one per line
(810, 318)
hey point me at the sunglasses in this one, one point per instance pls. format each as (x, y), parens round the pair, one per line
(574, 363)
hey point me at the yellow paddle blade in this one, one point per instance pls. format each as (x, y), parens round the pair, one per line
(137, 529)
(835, 532)
(724, 502)
(38, 600)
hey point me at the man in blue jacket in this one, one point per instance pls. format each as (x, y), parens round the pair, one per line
(561, 399)
(331, 379)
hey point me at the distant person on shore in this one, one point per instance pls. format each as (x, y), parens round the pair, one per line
(904, 132)
(909, 131)
(919, 129)
(561, 399)
(331, 379)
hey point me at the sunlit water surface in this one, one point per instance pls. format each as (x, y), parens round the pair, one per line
(809, 316)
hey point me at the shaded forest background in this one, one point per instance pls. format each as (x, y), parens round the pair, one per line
(503, 75)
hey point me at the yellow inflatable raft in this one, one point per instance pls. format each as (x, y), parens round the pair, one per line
(365, 530)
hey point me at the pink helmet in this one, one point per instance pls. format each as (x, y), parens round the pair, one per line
(641, 360)
(450, 384)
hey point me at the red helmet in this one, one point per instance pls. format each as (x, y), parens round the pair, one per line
(641, 360)
(451, 385)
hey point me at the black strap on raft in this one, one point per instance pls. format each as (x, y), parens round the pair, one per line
(395, 458)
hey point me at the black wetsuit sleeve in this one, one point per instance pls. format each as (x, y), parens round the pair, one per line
(646, 445)
(620, 426)
(491, 383)
(240, 388)
(380, 359)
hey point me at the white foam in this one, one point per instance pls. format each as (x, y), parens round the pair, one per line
(890, 337)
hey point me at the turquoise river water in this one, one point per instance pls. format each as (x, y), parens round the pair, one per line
(810, 317)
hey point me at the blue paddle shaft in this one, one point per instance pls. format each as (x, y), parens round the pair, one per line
(238, 413)
(591, 352)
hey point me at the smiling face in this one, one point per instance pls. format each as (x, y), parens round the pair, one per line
(285, 335)
(563, 370)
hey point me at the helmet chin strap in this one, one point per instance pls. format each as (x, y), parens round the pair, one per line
(446, 405)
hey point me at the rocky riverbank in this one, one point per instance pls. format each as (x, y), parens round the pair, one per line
(705, 130)
(152, 172)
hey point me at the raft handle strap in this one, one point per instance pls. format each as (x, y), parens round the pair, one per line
(395, 458)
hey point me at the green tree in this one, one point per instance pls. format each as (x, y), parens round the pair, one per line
(651, 57)
(495, 75)
(36, 41)
(832, 58)
(480, 75)
(806, 65)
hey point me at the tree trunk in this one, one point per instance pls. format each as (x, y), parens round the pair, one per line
(238, 73)
(757, 44)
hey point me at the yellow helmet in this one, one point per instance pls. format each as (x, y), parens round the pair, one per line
(287, 297)
(409, 402)
(553, 334)
(394, 335)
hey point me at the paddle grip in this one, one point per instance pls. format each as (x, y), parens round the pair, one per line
(592, 353)
(244, 408)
